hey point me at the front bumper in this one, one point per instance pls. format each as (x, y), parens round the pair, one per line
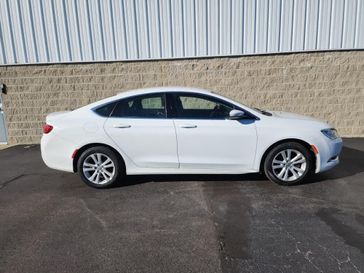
(329, 151)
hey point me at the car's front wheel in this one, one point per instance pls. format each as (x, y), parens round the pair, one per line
(288, 163)
(99, 167)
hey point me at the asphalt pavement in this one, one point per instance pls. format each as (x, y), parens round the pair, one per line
(51, 222)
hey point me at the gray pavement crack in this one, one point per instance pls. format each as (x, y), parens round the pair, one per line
(306, 255)
(94, 215)
(4, 184)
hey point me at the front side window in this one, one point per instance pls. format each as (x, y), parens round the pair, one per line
(144, 106)
(191, 106)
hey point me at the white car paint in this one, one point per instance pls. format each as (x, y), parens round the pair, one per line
(216, 144)
(149, 143)
(178, 146)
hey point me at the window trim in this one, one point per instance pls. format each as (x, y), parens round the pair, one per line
(171, 98)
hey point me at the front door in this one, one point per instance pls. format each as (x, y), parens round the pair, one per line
(207, 140)
(3, 134)
(138, 125)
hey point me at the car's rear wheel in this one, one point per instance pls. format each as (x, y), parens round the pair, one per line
(288, 163)
(100, 167)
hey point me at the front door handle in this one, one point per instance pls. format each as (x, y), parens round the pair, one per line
(122, 126)
(188, 126)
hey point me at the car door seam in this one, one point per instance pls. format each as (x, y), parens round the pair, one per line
(175, 132)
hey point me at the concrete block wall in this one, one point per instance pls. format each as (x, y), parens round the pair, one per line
(329, 86)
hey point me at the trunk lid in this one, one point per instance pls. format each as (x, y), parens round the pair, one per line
(55, 115)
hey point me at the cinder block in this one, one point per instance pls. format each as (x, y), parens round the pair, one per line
(327, 85)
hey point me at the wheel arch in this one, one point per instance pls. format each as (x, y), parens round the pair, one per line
(300, 141)
(87, 146)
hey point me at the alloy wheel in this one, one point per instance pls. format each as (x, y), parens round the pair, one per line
(98, 168)
(289, 165)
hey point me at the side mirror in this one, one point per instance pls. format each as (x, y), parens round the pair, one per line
(236, 114)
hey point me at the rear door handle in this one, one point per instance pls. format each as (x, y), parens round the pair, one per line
(188, 126)
(122, 126)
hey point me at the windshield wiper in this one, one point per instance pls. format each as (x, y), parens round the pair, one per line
(263, 112)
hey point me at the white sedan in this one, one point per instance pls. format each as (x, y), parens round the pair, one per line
(178, 130)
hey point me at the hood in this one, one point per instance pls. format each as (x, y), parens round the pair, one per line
(287, 115)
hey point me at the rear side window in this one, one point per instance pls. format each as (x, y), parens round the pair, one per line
(144, 106)
(105, 110)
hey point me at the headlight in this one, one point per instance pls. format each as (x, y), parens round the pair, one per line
(330, 133)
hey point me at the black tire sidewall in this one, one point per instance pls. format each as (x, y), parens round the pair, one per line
(288, 145)
(113, 157)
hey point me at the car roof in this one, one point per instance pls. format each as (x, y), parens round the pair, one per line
(162, 89)
(142, 91)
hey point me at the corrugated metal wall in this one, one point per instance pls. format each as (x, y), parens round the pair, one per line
(51, 31)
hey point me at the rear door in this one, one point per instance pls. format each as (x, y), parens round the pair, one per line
(207, 139)
(138, 125)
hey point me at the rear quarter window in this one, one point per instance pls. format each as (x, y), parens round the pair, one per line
(105, 110)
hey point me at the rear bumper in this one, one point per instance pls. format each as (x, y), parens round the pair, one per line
(57, 152)
(329, 151)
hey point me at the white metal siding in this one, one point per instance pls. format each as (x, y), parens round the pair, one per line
(51, 31)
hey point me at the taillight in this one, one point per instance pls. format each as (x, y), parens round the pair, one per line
(47, 128)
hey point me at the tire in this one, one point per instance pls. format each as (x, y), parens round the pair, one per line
(288, 163)
(100, 167)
